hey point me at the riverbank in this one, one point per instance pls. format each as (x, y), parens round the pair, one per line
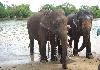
(4, 19)
(75, 63)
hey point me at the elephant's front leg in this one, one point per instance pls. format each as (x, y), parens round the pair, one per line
(75, 50)
(42, 44)
(88, 48)
(42, 49)
(53, 43)
(88, 51)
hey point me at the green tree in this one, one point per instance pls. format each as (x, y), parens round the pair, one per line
(95, 11)
(48, 7)
(84, 7)
(11, 11)
(68, 8)
(2, 11)
(23, 11)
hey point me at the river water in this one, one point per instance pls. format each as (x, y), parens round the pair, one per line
(14, 42)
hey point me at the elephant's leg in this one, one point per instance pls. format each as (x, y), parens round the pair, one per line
(88, 48)
(53, 48)
(42, 42)
(70, 42)
(42, 49)
(59, 46)
(75, 50)
(39, 43)
(31, 45)
(88, 51)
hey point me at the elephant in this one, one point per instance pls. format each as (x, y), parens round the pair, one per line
(98, 31)
(47, 26)
(80, 23)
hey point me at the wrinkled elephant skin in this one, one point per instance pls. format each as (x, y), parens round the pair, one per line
(46, 26)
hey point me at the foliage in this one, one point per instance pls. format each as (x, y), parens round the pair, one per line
(95, 11)
(48, 7)
(23, 10)
(13, 11)
(68, 8)
(2, 11)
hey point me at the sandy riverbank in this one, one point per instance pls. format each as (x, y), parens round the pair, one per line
(75, 63)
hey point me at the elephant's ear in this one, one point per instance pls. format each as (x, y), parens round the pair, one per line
(44, 26)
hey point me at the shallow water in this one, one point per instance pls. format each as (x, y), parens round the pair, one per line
(14, 42)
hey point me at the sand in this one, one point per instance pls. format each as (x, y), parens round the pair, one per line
(74, 63)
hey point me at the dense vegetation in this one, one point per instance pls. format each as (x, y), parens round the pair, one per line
(13, 11)
(69, 8)
(23, 11)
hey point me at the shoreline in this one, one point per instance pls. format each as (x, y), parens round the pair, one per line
(75, 63)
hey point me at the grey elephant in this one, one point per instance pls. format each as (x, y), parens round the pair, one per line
(47, 26)
(80, 24)
(98, 31)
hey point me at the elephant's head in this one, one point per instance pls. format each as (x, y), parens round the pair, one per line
(85, 20)
(55, 21)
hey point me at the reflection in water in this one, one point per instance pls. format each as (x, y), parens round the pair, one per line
(14, 42)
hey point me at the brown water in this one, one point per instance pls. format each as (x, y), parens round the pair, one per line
(14, 43)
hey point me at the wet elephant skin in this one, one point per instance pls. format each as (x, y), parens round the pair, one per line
(46, 26)
(80, 24)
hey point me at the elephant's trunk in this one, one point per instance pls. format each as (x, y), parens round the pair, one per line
(64, 49)
(86, 39)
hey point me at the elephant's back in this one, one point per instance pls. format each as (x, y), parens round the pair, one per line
(33, 24)
(34, 20)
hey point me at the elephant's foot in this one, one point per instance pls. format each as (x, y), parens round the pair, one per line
(54, 58)
(89, 56)
(60, 60)
(64, 66)
(75, 52)
(31, 51)
(43, 60)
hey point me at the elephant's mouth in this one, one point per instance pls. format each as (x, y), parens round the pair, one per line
(86, 25)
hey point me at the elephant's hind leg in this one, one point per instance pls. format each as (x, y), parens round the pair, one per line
(31, 45)
(75, 50)
(53, 48)
(59, 46)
